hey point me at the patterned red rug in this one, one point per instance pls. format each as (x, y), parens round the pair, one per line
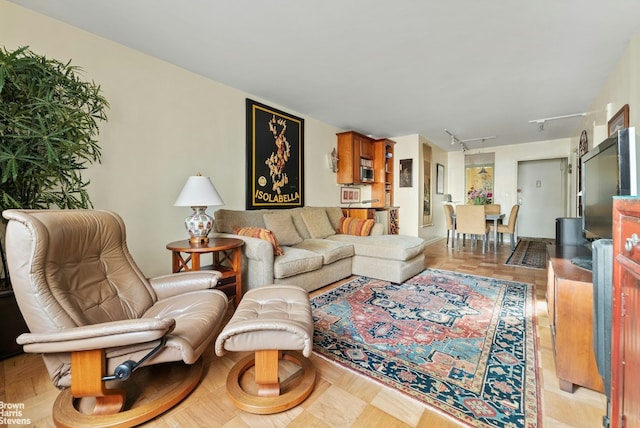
(462, 344)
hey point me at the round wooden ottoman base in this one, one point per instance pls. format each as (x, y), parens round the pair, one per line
(265, 405)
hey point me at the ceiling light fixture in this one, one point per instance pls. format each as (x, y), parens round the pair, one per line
(541, 122)
(463, 146)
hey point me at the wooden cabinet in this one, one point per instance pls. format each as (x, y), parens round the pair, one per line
(625, 344)
(354, 151)
(382, 187)
(363, 213)
(570, 304)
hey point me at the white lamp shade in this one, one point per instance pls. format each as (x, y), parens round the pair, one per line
(199, 191)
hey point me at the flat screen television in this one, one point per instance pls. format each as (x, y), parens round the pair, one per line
(609, 169)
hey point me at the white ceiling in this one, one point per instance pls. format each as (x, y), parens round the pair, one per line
(387, 68)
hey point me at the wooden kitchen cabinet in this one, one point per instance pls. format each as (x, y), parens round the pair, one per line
(570, 305)
(625, 344)
(354, 151)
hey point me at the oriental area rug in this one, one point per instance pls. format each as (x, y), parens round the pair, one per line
(530, 253)
(462, 344)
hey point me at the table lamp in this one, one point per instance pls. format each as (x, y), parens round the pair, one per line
(198, 193)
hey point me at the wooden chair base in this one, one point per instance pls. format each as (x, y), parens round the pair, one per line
(273, 396)
(171, 383)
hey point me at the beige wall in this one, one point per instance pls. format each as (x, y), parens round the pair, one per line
(622, 87)
(165, 123)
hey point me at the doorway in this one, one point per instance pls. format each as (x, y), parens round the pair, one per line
(542, 196)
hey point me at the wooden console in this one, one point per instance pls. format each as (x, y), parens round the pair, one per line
(570, 303)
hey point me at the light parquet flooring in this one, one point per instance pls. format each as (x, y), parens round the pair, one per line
(340, 398)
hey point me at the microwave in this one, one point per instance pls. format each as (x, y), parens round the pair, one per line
(366, 173)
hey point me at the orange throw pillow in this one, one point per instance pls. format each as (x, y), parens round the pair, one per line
(260, 233)
(355, 226)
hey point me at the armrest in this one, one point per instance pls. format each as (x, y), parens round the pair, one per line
(98, 336)
(253, 248)
(183, 282)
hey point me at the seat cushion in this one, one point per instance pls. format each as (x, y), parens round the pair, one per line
(331, 251)
(198, 315)
(392, 247)
(295, 261)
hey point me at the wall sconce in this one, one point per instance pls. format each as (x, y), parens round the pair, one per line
(332, 160)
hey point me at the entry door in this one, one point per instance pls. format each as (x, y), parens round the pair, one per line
(542, 195)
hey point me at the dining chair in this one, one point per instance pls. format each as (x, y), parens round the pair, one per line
(510, 227)
(493, 209)
(470, 219)
(448, 215)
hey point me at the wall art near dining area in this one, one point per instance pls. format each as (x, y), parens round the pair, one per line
(275, 167)
(479, 178)
(426, 183)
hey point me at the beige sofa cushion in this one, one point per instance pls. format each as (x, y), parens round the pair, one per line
(296, 261)
(317, 223)
(392, 247)
(331, 251)
(281, 224)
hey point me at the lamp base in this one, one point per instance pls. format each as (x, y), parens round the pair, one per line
(198, 225)
(199, 240)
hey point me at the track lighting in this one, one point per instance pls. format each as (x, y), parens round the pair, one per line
(541, 122)
(463, 146)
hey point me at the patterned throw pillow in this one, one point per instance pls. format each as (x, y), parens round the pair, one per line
(356, 226)
(260, 233)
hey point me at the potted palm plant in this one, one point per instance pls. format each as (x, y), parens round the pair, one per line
(49, 120)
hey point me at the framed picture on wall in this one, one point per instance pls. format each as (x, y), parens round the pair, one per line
(349, 195)
(406, 172)
(275, 149)
(620, 120)
(439, 179)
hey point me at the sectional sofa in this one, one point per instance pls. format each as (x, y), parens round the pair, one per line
(311, 248)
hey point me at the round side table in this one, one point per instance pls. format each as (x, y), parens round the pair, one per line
(227, 259)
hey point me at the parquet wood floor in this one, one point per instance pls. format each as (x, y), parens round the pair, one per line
(341, 398)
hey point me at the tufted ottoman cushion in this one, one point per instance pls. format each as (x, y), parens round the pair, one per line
(274, 322)
(270, 317)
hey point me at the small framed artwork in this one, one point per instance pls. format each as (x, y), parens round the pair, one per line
(406, 172)
(620, 120)
(349, 195)
(439, 179)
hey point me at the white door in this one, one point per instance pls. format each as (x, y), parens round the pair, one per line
(542, 195)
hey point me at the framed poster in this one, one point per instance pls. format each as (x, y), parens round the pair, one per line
(275, 158)
(620, 120)
(349, 195)
(479, 184)
(406, 172)
(439, 179)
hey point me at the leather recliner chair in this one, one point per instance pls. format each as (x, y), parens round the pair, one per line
(94, 316)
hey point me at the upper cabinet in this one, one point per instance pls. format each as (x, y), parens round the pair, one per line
(355, 158)
(363, 160)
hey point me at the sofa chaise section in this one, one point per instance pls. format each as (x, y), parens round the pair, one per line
(312, 253)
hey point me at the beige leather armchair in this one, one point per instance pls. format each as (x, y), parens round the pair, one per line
(94, 316)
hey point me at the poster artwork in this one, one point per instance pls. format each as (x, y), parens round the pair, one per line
(275, 158)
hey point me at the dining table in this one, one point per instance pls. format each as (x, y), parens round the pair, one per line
(489, 217)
